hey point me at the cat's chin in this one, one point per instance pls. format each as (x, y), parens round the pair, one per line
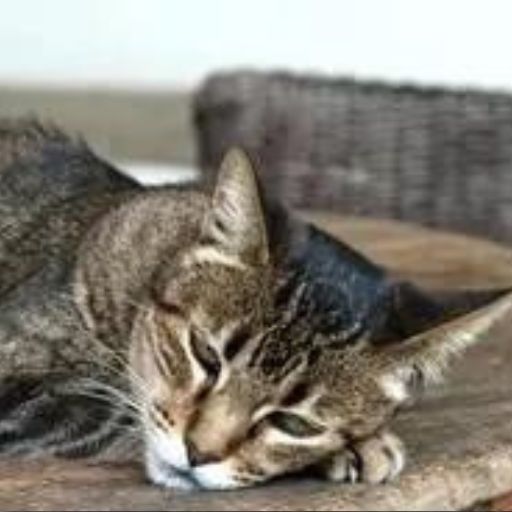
(166, 449)
(217, 476)
(163, 474)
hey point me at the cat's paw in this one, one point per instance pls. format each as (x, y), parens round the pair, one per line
(376, 460)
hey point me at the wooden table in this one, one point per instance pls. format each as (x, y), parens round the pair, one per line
(459, 436)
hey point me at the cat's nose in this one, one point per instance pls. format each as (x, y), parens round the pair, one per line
(196, 457)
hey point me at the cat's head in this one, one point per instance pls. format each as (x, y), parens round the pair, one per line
(239, 375)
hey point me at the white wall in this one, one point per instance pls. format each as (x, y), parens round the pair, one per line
(157, 43)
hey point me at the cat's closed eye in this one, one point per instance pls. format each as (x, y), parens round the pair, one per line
(205, 354)
(293, 424)
(237, 341)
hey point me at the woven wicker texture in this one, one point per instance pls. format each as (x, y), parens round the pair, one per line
(428, 155)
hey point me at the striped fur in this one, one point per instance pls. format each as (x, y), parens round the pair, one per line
(235, 341)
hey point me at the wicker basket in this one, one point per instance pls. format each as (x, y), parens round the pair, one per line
(429, 155)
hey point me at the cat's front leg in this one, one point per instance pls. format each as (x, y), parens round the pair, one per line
(375, 460)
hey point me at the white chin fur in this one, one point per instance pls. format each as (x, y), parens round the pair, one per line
(165, 451)
(216, 476)
(162, 474)
(169, 449)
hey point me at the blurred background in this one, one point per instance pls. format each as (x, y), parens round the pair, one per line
(392, 108)
(121, 72)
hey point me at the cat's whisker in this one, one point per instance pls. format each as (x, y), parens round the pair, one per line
(134, 407)
(124, 370)
(127, 411)
(112, 391)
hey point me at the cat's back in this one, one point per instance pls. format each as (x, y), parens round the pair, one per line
(41, 167)
(51, 188)
(61, 206)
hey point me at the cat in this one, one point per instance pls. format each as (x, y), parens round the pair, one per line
(237, 342)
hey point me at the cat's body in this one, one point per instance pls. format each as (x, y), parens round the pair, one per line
(52, 190)
(218, 328)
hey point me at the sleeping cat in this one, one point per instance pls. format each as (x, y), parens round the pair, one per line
(236, 341)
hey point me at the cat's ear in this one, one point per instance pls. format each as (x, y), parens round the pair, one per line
(236, 221)
(425, 357)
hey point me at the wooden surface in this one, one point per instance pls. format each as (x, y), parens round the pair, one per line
(459, 436)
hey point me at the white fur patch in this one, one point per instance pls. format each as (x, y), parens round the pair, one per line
(307, 406)
(211, 255)
(162, 474)
(197, 372)
(218, 475)
(397, 449)
(276, 436)
(168, 448)
(394, 388)
(166, 451)
(223, 377)
(342, 468)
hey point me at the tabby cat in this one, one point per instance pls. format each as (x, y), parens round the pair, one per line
(237, 342)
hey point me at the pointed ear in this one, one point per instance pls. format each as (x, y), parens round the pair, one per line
(425, 357)
(236, 222)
